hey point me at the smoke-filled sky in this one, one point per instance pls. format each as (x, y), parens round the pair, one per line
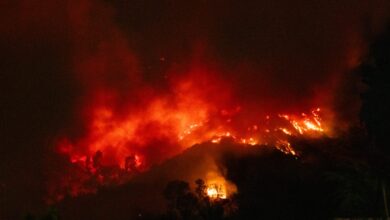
(59, 59)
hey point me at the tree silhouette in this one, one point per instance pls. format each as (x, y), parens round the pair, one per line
(375, 114)
(182, 203)
(200, 188)
(185, 204)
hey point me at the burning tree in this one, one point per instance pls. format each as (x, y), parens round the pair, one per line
(205, 202)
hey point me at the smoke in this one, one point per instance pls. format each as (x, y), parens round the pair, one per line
(70, 65)
(270, 56)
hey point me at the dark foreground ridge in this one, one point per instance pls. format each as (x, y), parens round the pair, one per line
(328, 180)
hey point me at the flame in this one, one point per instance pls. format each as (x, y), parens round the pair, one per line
(217, 187)
(216, 191)
(306, 123)
(169, 123)
(122, 143)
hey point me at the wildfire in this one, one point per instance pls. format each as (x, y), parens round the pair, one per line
(216, 191)
(217, 187)
(121, 144)
(297, 125)
(306, 123)
(115, 148)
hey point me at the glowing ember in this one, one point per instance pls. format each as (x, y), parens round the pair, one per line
(286, 131)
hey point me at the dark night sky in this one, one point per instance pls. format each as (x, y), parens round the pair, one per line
(269, 50)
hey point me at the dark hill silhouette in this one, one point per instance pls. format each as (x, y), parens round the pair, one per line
(143, 194)
(327, 180)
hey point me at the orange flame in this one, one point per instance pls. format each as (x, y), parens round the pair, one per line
(168, 124)
(216, 191)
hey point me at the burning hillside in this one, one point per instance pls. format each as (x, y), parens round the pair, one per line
(136, 110)
(116, 148)
(95, 94)
(259, 176)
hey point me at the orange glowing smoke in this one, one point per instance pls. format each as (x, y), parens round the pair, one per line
(168, 119)
(183, 128)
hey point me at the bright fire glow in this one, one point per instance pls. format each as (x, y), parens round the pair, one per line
(217, 187)
(216, 191)
(115, 148)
